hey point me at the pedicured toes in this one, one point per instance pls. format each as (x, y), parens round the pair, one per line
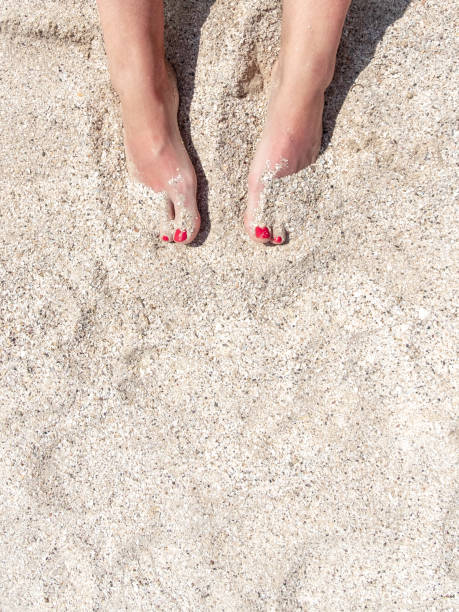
(278, 234)
(262, 233)
(165, 234)
(180, 236)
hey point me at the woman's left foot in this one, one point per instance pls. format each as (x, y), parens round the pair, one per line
(291, 141)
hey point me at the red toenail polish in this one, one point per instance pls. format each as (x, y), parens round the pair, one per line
(166, 238)
(262, 232)
(278, 239)
(180, 236)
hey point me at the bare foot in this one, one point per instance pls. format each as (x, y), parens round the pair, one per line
(155, 152)
(291, 141)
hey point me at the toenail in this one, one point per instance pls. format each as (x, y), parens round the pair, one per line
(262, 232)
(180, 236)
(166, 238)
(278, 239)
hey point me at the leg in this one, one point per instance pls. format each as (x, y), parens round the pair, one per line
(134, 40)
(311, 31)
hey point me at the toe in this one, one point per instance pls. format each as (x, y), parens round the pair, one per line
(166, 228)
(180, 235)
(258, 231)
(278, 236)
(258, 216)
(263, 232)
(187, 222)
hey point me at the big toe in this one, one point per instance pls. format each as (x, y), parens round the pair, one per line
(186, 224)
(260, 232)
(257, 228)
(166, 228)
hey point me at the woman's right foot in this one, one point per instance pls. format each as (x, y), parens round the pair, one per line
(155, 153)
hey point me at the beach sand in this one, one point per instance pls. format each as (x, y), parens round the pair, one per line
(228, 426)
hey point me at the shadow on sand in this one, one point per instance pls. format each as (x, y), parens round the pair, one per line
(366, 24)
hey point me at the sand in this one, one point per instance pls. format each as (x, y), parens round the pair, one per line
(229, 426)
